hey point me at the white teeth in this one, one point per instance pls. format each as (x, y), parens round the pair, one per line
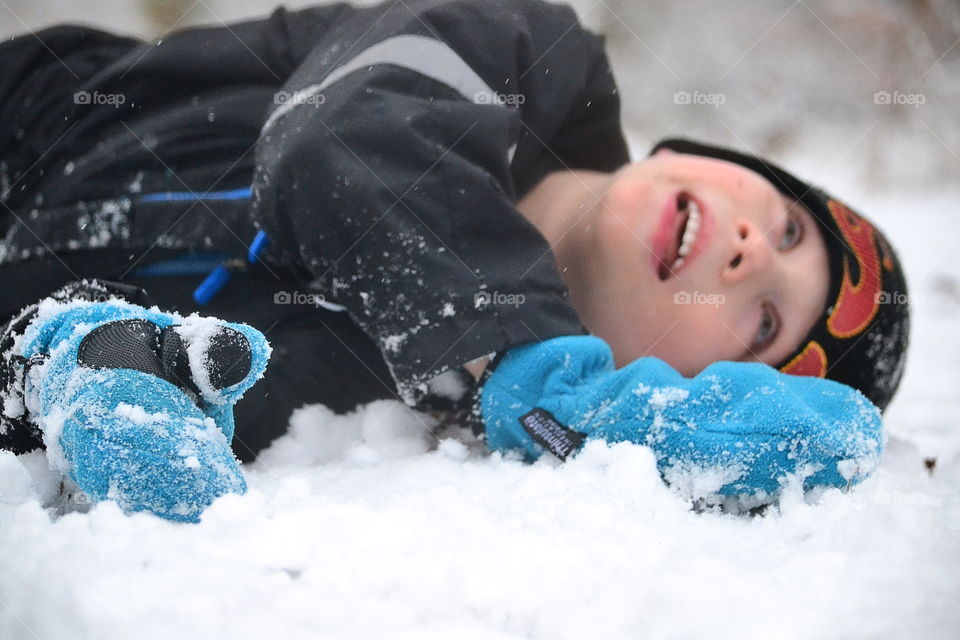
(689, 232)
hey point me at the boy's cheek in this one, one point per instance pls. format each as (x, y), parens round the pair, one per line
(694, 336)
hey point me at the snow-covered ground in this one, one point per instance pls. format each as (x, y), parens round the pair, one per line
(366, 526)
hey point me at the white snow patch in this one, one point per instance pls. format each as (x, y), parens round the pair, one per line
(393, 343)
(138, 415)
(197, 332)
(848, 469)
(663, 397)
(447, 385)
(420, 543)
(701, 482)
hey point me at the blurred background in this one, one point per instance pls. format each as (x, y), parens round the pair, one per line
(867, 88)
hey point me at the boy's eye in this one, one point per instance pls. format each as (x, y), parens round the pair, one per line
(794, 231)
(767, 330)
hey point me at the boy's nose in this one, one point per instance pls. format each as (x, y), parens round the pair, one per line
(750, 254)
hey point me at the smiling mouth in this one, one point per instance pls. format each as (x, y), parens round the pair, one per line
(690, 221)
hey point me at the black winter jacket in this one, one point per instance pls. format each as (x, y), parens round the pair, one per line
(382, 149)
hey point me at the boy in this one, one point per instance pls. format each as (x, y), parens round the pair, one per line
(455, 204)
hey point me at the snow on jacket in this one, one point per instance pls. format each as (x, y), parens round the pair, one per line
(382, 149)
(391, 168)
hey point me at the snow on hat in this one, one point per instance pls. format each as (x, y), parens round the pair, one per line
(861, 338)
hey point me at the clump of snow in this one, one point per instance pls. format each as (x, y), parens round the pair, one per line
(15, 483)
(197, 332)
(447, 385)
(381, 430)
(393, 343)
(664, 397)
(453, 449)
(138, 415)
(848, 469)
(695, 482)
(52, 430)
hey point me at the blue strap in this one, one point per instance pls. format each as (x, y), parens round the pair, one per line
(221, 264)
(186, 196)
(257, 247)
(219, 277)
(211, 285)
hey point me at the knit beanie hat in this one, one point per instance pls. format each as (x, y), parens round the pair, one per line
(861, 338)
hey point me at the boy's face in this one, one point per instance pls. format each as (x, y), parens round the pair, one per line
(753, 281)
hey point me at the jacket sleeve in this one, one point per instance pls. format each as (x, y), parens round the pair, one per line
(385, 171)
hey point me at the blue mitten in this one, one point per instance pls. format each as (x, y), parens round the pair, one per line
(746, 425)
(136, 405)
